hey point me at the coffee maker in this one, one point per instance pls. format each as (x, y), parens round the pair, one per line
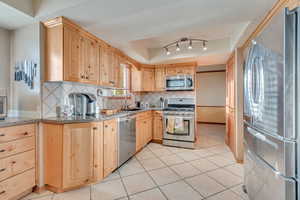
(84, 104)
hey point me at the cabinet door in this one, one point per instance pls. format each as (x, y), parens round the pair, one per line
(136, 80)
(104, 66)
(139, 134)
(77, 154)
(110, 146)
(148, 128)
(186, 70)
(92, 62)
(171, 71)
(157, 127)
(73, 70)
(98, 151)
(148, 79)
(160, 79)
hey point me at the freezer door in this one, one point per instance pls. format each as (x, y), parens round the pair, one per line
(279, 154)
(263, 183)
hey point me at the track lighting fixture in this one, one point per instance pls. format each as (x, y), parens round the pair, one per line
(190, 41)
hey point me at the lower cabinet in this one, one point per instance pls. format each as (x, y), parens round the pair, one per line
(143, 129)
(79, 154)
(17, 161)
(110, 147)
(157, 126)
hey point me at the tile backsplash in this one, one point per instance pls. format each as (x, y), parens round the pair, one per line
(154, 98)
(55, 94)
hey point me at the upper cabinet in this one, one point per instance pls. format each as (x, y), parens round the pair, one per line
(160, 76)
(72, 54)
(173, 70)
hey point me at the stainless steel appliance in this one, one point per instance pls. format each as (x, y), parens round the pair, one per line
(126, 138)
(182, 109)
(3, 107)
(180, 82)
(83, 104)
(271, 114)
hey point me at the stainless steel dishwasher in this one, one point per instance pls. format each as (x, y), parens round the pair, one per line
(127, 138)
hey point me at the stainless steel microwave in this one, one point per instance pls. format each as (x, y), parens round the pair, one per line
(180, 82)
(3, 107)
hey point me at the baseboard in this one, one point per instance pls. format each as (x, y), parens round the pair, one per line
(39, 190)
(158, 141)
(211, 123)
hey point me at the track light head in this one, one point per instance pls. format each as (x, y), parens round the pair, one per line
(190, 45)
(177, 47)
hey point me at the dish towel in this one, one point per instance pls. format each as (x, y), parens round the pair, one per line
(171, 124)
(179, 124)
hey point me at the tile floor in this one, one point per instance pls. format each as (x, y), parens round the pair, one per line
(167, 173)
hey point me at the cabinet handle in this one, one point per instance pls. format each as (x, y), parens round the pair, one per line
(95, 128)
(2, 135)
(13, 162)
(87, 180)
(2, 150)
(105, 126)
(2, 192)
(25, 133)
(2, 170)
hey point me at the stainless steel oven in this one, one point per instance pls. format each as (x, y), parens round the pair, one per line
(180, 82)
(3, 106)
(179, 111)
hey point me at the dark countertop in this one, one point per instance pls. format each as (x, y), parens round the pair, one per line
(81, 119)
(13, 121)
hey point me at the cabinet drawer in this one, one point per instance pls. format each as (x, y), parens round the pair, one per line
(16, 132)
(16, 185)
(16, 164)
(18, 146)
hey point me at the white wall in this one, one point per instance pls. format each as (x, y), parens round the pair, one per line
(211, 88)
(4, 58)
(25, 44)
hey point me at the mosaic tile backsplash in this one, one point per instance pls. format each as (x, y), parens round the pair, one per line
(55, 95)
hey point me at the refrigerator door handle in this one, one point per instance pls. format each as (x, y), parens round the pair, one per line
(262, 137)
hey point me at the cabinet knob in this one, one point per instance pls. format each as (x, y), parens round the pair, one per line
(2, 134)
(95, 128)
(2, 150)
(25, 133)
(105, 126)
(2, 170)
(2, 192)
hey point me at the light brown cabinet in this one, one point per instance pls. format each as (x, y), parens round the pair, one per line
(143, 129)
(110, 146)
(143, 80)
(174, 70)
(75, 154)
(160, 78)
(157, 126)
(17, 161)
(72, 54)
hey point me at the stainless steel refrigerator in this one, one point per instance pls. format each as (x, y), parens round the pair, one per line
(271, 110)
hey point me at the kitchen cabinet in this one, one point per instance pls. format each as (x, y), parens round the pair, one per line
(143, 129)
(143, 80)
(89, 60)
(160, 78)
(230, 137)
(157, 126)
(77, 154)
(174, 70)
(72, 54)
(74, 155)
(17, 161)
(147, 79)
(110, 146)
(98, 154)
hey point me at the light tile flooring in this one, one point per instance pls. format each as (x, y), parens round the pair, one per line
(167, 173)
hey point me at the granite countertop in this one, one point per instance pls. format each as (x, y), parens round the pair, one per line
(83, 119)
(13, 121)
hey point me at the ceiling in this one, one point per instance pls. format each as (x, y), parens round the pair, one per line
(141, 27)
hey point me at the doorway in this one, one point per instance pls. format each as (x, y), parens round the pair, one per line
(211, 102)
